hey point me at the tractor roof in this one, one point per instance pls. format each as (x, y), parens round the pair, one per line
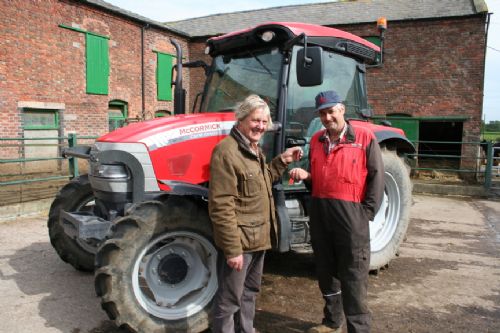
(295, 29)
(286, 34)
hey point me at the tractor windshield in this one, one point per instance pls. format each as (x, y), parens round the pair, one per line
(235, 77)
(342, 74)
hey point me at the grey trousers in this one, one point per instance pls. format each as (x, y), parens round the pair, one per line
(233, 308)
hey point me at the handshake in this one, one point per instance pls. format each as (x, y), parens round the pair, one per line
(295, 154)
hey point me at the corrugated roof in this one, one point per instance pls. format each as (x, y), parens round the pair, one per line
(331, 13)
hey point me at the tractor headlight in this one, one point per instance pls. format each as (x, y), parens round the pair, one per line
(110, 171)
(267, 36)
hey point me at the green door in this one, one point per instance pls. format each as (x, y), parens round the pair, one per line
(409, 125)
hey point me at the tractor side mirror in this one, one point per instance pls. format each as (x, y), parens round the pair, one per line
(310, 66)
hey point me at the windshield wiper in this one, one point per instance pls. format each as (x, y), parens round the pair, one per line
(261, 63)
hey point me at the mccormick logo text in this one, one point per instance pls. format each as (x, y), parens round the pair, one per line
(191, 132)
(199, 128)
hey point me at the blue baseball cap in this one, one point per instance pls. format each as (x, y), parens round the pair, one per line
(327, 99)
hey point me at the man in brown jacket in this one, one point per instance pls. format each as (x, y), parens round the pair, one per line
(241, 208)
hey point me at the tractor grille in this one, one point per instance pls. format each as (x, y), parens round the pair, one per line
(357, 50)
(360, 50)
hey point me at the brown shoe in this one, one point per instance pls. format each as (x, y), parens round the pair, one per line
(324, 329)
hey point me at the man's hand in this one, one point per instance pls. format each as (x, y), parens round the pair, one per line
(298, 174)
(292, 154)
(236, 262)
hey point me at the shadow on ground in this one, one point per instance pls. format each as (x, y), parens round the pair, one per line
(65, 297)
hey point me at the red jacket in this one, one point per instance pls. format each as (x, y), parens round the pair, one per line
(352, 170)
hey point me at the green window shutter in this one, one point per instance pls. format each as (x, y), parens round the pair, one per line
(164, 77)
(375, 40)
(97, 64)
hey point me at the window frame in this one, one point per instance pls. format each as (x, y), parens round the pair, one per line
(54, 126)
(124, 108)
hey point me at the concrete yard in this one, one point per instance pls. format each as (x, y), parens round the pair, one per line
(446, 279)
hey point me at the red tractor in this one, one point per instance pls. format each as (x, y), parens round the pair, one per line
(139, 218)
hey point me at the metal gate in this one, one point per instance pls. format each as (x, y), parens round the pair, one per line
(494, 165)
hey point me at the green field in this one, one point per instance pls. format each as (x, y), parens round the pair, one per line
(491, 136)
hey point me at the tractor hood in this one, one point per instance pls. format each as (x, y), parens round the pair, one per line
(388, 135)
(377, 128)
(161, 132)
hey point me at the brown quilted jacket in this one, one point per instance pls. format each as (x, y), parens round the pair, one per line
(240, 198)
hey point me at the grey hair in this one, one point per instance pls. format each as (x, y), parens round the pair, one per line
(339, 105)
(250, 104)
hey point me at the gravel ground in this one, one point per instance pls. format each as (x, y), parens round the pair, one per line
(446, 279)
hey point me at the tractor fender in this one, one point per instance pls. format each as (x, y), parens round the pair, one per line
(396, 140)
(183, 188)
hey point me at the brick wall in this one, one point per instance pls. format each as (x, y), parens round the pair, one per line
(42, 62)
(198, 78)
(432, 68)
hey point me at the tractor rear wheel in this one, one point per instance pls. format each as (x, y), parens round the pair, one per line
(158, 272)
(388, 228)
(75, 196)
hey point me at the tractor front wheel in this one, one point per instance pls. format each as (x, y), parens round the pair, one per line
(76, 196)
(158, 272)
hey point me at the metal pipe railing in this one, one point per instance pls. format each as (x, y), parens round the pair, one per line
(21, 143)
(420, 158)
(431, 145)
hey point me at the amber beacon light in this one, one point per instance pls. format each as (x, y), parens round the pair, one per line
(382, 24)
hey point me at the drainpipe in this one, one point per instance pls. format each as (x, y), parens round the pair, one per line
(143, 90)
(488, 20)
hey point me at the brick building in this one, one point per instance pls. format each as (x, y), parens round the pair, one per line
(81, 66)
(431, 84)
(87, 66)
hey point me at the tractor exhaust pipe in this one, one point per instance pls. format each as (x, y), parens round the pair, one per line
(179, 92)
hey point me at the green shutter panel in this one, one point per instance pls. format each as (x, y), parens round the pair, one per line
(164, 77)
(375, 40)
(410, 126)
(97, 64)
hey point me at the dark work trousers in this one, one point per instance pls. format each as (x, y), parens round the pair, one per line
(233, 309)
(342, 264)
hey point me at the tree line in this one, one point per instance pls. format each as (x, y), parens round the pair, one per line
(492, 126)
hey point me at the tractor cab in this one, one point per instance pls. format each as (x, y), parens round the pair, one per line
(288, 64)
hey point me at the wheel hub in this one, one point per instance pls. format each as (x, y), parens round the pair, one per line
(173, 276)
(384, 225)
(172, 269)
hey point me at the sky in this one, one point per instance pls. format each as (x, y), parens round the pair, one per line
(165, 11)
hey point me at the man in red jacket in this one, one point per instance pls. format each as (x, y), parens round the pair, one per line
(346, 175)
